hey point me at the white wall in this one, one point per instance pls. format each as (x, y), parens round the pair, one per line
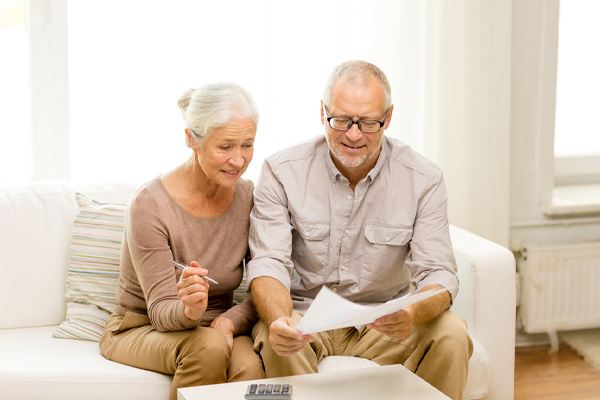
(467, 110)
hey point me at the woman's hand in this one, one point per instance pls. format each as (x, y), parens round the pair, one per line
(225, 326)
(192, 289)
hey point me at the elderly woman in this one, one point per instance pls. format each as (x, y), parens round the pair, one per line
(178, 321)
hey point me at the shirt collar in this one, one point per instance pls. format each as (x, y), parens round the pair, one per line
(334, 174)
(383, 156)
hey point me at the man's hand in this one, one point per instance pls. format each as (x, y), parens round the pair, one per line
(285, 339)
(397, 325)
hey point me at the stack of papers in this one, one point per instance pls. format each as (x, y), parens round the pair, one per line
(331, 311)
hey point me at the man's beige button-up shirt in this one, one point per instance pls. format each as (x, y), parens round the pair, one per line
(309, 229)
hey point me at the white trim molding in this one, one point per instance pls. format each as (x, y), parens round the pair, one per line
(47, 24)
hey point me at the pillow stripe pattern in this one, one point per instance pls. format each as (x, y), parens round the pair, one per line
(93, 269)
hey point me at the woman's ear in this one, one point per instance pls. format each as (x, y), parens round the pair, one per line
(189, 139)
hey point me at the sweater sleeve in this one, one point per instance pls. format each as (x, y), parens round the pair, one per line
(147, 239)
(243, 315)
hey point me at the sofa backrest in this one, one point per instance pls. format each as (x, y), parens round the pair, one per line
(36, 222)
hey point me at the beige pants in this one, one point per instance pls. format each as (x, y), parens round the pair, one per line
(438, 352)
(194, 357)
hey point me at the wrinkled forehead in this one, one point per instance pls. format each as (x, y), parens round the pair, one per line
(360, 96)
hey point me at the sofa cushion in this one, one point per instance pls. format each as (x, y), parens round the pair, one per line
(478, 380)
(35, 232)
(339, 363)
(34, 365)
(93, 268)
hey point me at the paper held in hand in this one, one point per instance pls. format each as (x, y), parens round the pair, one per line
(331, 311)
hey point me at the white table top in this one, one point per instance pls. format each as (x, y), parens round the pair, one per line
(381, 383)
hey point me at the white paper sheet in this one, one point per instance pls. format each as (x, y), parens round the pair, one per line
(331, 311)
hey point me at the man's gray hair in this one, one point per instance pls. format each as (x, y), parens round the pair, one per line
(358, 71)
(214, 105)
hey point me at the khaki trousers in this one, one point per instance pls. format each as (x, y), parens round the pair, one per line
(438, 351)
(194, 357)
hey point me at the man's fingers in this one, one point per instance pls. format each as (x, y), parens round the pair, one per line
(285, 338)
(397, 325)
(286, 328)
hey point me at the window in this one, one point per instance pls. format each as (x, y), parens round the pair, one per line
(576, 189)
(577, 126)
(14, 96)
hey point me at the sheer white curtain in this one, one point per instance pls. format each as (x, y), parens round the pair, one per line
(467, 110)
(115, 117)
(130, 60)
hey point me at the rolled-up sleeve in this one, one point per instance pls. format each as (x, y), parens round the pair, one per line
(432, 261)
(270, 238)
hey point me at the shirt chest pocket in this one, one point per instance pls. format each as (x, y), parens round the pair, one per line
(386, 249)
(310, 247)
(387, 235)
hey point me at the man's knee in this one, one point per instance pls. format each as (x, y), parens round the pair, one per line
(260, 336)
(245, 364)
(302, 362)
(451, 333)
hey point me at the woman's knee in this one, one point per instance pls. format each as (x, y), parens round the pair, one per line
(207, 344)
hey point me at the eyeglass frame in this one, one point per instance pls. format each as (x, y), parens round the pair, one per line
(356, 121)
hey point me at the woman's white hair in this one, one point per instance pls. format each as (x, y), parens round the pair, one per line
(214, 105)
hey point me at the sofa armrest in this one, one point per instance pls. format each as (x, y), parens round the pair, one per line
(487, 301)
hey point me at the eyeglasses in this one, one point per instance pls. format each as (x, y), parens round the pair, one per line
(365, 125)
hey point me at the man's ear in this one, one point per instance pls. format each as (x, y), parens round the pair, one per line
(389, 117)
(322, 114)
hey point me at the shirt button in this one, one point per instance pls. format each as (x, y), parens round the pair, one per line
(349, 197)
(334, 289)
(387, 238)
(307, 234)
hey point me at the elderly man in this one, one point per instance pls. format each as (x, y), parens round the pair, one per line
(365, 216)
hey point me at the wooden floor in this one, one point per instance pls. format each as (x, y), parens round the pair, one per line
(560, 376)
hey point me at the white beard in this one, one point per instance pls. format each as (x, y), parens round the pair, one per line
(352, 162)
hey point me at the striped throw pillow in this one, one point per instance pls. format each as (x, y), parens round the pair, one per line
(93, 269)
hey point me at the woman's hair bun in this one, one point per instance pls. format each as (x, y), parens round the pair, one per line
(184, 100)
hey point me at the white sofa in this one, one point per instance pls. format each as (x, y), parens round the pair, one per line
(36, 221)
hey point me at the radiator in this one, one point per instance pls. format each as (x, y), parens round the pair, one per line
(560, 288)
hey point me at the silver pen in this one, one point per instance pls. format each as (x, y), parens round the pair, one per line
(183, 266)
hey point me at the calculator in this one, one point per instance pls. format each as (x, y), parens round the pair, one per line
(269, 391)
